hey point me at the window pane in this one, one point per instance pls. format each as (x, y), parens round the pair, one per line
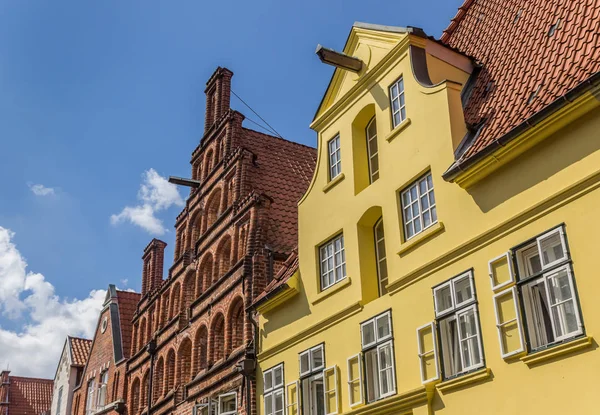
(269, 404)
(443, 299)
(278, 376)
(383, 327)
(462, 290)
(469, 339)
(317, 358)
(368, 333)
(537, 314)
(385, 367)
(562, 302)
(450, 347)
(528, 259)
(372, 375)
(551, 248)
(304, 363)
(278, 398)
(268, 380)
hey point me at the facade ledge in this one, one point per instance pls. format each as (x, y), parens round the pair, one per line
(289, 290)
(469, 379)
(332, 183)
(557, 351)
(399, 128)
(398, 404)
(331, 290)
(421, 238)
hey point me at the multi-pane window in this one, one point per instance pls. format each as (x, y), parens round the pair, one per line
(372, 150)
(274, 390)
(382, 273)
(312, 365)
(418, 206)
(59, 400)
(90, 406)
(458, 325)
(228, 404)
(378, 357)
(397, 101)
(102, 389)
(335, 157)
(332, 262)
(547, 290)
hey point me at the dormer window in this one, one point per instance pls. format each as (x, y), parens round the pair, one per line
(335, 157)
(397, 102)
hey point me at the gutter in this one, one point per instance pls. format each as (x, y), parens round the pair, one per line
(570, 96)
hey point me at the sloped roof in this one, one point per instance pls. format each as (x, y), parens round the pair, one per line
(285, 171)
(289, 267)
(128, 302)
(80, 350)
(29, 396)
(527, 63)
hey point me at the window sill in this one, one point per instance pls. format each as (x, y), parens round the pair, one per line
(421, 238)
(332, 290)
(398, 129)
(332, 183)
(561, 350)
(465, 380)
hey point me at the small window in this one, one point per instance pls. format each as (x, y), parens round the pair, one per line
(397, 101)
(102, 389)
(372, 150)
(418, 206)
(458, 325)
(333, 262)
(59, 400)
(312, 383)
(90, 406)
(274, 391)
(335, 157)
(228, 404)
(382, 273)
(378, 357)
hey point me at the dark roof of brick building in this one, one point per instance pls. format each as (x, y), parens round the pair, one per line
(80, 350)
(29, 396)
(289, 267)
(128, 302)
(531, 52)
(286, 169)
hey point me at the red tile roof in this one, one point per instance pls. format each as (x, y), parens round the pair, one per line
(521, 53)
(80, 350)
(289, 267)
(128, 302)
(29, 396)
(285, 170)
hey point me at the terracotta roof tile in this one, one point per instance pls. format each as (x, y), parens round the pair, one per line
(80, 350)
(511, 40)
(289, 267)
(29, 396)
(128, 302)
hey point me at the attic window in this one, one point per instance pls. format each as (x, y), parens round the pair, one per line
(534, 95)
(554, 28)
(518, 15)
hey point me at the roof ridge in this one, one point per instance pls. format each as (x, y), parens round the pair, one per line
(455, 21)
(30, 378)
(78, 338)
(279, 138)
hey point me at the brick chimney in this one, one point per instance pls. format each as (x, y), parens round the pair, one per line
(152, 273)
(218, 96)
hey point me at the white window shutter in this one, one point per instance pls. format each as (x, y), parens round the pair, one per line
(293, 400)
(501, 271)
(508, 323)
(330, 386)
(428, 354)
(355, 380)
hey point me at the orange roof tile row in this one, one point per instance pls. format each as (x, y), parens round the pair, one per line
(80, 350)
(289, 267)
(532, 53)
(29, 396)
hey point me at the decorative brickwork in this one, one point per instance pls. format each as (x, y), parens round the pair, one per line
(24, 396)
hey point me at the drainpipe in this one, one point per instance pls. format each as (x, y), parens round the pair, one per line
(151, 348)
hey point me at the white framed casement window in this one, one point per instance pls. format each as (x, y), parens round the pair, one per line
(312, 384)
(330, 389)
(200, 409)
(382, 272)
(372, 150)
(90, 407)
(508, 323)
(228, 403)
(355, 379)
(332, 258)
(274, 390)
(59, 400)
(102, 389)
(501, 271)
(428, 353)
(419, 210)
(335, 157)
(457, 322)
(546, 288)
(378, 357)
(293, 403)
(398, 104)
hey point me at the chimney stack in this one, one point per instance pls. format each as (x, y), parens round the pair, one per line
(153, 258)
(218, 96)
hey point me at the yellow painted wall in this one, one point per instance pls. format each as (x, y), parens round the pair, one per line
(555, 182)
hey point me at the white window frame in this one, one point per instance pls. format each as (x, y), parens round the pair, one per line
(59, 400)
(222, 398)
(324, 257)
(381, 371)
(379, 343)
(459, 314)
(379, 257)
(425, 353)
(451, 283)
(90, 407)
(398, 84)
(352, 381)
(419, 217)
(511, 271)
(334, 151)
(335, 391)
(274, 390)
(499, 325)
(311, 352)
(103, 390)
(371, 156)
(547, 235)
(288, 403)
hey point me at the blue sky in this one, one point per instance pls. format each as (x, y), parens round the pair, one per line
(95, 94)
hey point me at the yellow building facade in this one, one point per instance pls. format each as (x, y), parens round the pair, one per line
(422, 289)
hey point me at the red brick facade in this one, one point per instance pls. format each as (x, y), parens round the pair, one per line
(237, 228)
(24, 396)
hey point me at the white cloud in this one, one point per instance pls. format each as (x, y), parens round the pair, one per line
(155, 194)
(125, 281)
(34, 349)
(40, 189)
